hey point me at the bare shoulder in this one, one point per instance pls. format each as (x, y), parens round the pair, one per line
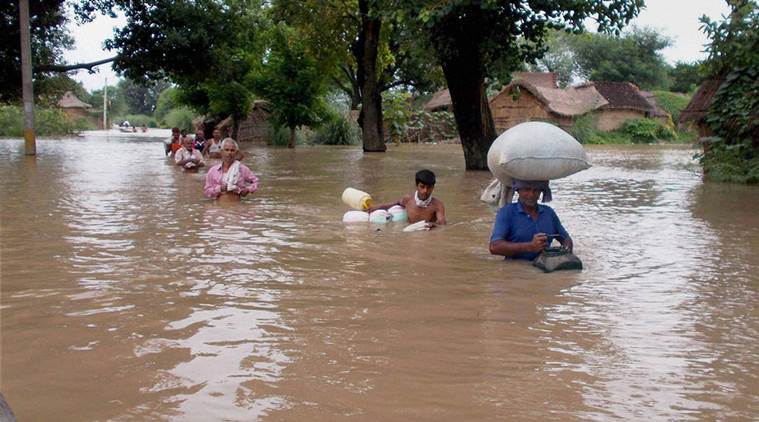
(436, 203)
(405, 200)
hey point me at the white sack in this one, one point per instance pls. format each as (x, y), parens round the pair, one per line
(535, 151)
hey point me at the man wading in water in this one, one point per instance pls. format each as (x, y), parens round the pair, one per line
(524, 228)
(230, 180)
(420, 205)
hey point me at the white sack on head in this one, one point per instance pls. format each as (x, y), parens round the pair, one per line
(536, 151)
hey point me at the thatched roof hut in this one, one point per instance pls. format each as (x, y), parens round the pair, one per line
(696, 109)
(440, 101)
(69, 100)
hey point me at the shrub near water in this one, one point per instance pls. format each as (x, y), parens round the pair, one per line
(47, 122)
(338, 130)
(179, 117)
(647, 130)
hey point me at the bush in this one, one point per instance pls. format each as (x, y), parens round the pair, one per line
(179, 117)
(280, 136)
(338, 130)
(47, 122)
(584, 128)
(734, 163)
(672, 102)
(396, 113)
(431, 127)
(648, 130)
(11, 121)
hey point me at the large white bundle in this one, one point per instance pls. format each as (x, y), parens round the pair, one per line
(535, 151)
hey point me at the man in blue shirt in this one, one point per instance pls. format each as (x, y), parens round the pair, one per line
(524, 228)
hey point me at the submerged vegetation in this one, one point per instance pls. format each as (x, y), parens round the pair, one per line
(48, 122)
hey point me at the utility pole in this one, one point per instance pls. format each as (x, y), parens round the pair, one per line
(30, 142)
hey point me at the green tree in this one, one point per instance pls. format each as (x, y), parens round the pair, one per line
(558, 58)
(49, 40)
(685, 77)
(475, 40)
(205, 47)
(290, 80)
(141, 96)
(634, 57)
(733, 115)
(365, 52)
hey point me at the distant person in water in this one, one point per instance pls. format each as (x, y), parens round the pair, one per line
(230, 180)
(213, 145)
(524, 228)
(188, 157)
(172, 144)
(420, 205)
(200, 140)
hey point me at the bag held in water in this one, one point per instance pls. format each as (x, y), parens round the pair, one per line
(555, 259)
(357, 199)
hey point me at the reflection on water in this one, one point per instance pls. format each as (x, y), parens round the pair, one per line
(126, 295)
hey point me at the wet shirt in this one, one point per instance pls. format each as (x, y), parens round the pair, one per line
(215, 178)
(514, 224)
(183, 154)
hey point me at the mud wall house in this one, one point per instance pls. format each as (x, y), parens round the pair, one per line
(537, 97)
(255, 127)
(624, 102)
(73, 107)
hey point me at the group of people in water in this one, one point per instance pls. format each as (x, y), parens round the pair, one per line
(522, 229)
(228, 181)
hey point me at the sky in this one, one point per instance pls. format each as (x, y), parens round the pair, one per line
(677, 19)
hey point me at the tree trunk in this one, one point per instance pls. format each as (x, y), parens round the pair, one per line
(292, 138)
(235, 128)
(471, 111)
(455, 39)
(365, 52)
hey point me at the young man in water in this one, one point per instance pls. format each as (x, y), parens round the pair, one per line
(230, 180)
(172, 144)
(420, 205)
(524, 228)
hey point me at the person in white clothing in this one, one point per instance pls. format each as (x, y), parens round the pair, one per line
(188, 157)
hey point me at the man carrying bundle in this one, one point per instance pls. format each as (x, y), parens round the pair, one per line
(524, 228)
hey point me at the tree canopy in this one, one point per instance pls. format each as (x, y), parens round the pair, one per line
(635, 56)
(475, 40)
(291, 81)
(49, 40)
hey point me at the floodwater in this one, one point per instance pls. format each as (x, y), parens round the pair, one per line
(128, 296)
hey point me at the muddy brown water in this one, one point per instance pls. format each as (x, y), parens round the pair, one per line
(127, 296)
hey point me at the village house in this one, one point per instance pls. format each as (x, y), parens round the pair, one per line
(254, 128)
(73, 107)
(536, 96)
(693, 114)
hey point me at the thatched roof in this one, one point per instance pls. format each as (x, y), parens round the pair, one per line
(622, 95)
(568, 102)
(700, 102)
(69, 100)
(541, 79)
(440, 101)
